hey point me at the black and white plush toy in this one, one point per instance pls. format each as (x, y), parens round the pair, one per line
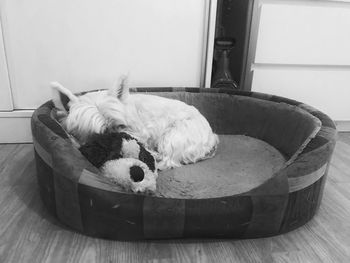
(123, 160)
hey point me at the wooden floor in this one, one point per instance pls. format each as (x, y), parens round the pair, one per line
(29, 234)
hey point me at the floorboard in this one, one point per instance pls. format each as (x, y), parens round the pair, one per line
(29, 234)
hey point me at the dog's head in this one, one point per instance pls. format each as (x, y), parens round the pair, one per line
(123, 160)
(93, 112)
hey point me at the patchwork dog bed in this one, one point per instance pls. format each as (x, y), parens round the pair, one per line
(267, 177)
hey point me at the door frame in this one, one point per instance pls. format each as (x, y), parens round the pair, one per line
(251, 35)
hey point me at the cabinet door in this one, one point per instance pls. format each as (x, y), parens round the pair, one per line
(88, 44)
(5, 92)
(306, 33)
(324, 89)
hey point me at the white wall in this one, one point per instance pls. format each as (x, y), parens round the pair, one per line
(87, 44)
(303, 52)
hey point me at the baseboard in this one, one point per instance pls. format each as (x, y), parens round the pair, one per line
(343, 126)
(15, 126)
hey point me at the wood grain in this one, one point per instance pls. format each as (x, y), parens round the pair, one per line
(28, 233)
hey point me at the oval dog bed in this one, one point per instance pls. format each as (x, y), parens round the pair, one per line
(284, 198)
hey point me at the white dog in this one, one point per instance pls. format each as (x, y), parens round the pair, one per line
(176, 132)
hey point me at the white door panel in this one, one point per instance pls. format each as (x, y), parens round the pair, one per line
(326, 90)
(304, 33)
(87, 44)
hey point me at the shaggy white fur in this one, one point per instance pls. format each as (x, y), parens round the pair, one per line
(175, 132)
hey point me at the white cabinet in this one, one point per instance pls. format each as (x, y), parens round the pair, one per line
(305, 33)
(303, 52)
(325, 89)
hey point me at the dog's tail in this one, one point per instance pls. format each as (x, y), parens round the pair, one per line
(213, 145)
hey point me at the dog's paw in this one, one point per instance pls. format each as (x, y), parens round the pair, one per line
(167, 165)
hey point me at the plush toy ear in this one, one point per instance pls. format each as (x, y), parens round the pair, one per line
(95, 154)
(146, 157)
(62, 96)
(120, 88)
(101, 148)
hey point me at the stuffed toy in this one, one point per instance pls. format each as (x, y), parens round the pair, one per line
(123, 160)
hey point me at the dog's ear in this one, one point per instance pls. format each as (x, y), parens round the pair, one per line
(121, 88)
(62, 96)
